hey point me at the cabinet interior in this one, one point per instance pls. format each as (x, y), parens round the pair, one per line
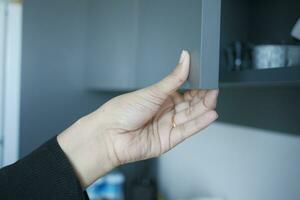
(255, 22)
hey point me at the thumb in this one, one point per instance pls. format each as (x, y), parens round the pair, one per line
(173, 81)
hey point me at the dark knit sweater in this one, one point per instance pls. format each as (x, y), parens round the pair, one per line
(45, 174)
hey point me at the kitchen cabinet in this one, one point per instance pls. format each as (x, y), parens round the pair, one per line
(135, 43)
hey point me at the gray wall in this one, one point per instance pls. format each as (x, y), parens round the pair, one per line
(233, 163)
(53, 94)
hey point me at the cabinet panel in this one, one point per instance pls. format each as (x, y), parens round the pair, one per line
(135, 43)
(112, 39)
(204, 72)
(166, 27)
(163, 34)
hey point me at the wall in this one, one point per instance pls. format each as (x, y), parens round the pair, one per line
(53, 93)
(238, 161)
(234, 163)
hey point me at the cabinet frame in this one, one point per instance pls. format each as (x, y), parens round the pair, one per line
(204, 72)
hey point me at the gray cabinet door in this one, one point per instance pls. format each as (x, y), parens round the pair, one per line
(168, 26)
(135, 43)
(111, 44)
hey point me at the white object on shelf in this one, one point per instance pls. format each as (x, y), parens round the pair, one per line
(296, 30)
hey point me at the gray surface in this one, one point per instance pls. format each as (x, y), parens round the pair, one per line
(53, 66)
(111, 44)
(142, 41)
(205, 61)
(165, 28)
(270, 108)
(271, 77)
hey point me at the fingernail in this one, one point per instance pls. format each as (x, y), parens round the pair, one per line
(182, 56)
(215, 93)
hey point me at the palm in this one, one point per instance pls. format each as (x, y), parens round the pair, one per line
(149, 125)
(149, 122)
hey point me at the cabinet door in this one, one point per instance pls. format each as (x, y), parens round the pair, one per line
(135, 43)
(168, 26)
(111, 48)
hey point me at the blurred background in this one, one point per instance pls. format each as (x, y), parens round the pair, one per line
(52, 53)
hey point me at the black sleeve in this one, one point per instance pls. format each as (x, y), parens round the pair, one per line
(46, 173)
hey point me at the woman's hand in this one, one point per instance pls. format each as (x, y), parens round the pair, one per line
(138, 125)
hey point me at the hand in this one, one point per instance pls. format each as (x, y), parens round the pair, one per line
(138, 125)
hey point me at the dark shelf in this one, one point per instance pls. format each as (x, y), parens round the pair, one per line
(276, 76)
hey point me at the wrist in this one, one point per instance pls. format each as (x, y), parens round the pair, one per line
(86, 150)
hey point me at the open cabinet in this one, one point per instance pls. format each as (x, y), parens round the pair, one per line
(134, 43)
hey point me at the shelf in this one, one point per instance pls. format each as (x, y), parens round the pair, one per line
(276, 76)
